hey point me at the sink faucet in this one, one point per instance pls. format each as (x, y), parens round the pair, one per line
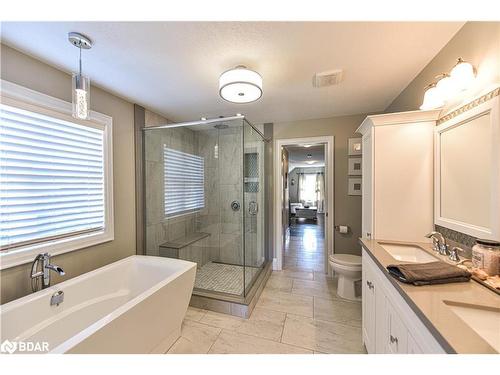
(44, 274)
(438, 242)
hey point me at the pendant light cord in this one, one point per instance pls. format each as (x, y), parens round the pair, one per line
(80, 60)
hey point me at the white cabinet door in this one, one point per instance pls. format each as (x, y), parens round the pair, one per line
(413, 347)
(367, 181)
(396, 333)
(368, 308)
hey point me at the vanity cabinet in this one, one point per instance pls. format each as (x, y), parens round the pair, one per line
(368, 309)
(397, 166)
(390, 326)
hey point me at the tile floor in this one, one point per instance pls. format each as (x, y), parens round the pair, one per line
(297, 313)
(225, 278)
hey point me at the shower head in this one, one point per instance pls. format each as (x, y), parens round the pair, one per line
(221, 126)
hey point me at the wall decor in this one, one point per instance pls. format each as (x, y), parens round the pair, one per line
(354, 146)
(354, 186)
(354, 167)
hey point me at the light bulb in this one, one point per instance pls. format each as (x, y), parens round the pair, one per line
(81, 96)
(81, 104)
(446, 87)
(462, 74)
(432, 98)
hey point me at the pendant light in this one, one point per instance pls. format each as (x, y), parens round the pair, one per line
(80, 83)
(240, 85)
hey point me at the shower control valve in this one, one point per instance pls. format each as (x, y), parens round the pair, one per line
(235, 205)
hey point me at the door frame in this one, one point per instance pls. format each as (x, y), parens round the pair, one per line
(329, 141)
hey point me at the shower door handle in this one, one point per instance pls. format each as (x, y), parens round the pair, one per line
(253, 208)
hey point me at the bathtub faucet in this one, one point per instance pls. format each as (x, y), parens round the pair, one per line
(46, 267)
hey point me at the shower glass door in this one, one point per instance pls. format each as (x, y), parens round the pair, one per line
(253, 197)
(204, 201)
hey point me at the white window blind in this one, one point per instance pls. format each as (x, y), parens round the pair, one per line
(184, 182)
(51, 178)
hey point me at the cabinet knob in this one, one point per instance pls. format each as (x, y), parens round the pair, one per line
(370, 284)
(368, 235)
(393, 339)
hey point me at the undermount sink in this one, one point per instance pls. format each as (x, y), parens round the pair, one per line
(484, 320)
(407, 253)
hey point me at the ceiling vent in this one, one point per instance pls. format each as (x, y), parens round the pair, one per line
(328, 78)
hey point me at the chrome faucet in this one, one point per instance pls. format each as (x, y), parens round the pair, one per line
(438, 242)
(454, 254)
(44, 274)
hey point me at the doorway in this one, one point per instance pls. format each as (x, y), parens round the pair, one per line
(304, 202)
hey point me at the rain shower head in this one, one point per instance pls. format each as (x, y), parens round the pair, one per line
(221, 126)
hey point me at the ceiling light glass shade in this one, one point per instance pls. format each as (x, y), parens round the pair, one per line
(462, 74)
(311, 161)
(446, 87)
(432, 98)
(240, 85)
(81, 96)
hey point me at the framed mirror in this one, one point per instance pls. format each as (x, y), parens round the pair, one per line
(467, 172)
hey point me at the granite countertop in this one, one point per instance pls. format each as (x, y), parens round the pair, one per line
(428, 302)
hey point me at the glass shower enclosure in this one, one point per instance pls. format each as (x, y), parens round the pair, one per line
(204, 201)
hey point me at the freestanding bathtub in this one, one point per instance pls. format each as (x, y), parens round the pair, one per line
(135, 305)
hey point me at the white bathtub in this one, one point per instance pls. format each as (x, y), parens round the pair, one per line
(135, 305)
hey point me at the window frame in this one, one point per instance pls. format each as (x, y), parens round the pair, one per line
(21, 97)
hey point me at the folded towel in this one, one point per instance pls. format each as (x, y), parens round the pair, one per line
(428, 273)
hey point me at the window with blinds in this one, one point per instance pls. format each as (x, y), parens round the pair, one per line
(184, 182)
(51, 178)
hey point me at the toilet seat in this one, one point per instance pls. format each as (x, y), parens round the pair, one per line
(346, 260)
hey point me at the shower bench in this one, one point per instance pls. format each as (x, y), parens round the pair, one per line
(192, 247)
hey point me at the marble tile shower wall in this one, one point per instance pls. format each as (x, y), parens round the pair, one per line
(222, 153)
(158, 228)
(223, 185)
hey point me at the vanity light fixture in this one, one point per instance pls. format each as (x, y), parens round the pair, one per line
(240, 85)
(80, 83)
(446, 86)
(449, 85)
(432, 99)
(463, 73)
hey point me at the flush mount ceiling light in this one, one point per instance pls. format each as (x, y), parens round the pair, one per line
(80, 83)
(240, 85)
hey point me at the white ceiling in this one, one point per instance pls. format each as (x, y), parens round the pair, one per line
(173, 67)
(297, 156)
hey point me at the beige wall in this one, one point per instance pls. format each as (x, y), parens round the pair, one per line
(34, 74)
(476, 42)
(347, 208)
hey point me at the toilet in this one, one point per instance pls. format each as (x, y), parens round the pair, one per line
(348, 269)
